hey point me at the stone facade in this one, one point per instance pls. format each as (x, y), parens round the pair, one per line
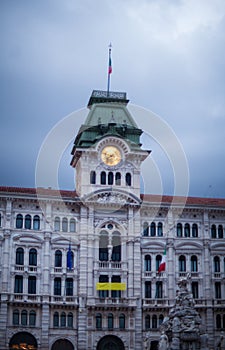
(59, 250)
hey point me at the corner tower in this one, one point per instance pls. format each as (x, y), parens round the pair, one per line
(107, 151)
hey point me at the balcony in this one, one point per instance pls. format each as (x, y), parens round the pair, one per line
(110, 265)
(25, 297)
(153, 274)
(122, 302)
(147, 302)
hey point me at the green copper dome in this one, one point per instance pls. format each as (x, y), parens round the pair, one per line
(108, 118)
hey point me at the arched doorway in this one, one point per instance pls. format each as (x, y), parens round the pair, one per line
(62, 344)
(154, 345)
(110, 342)
(23, 340)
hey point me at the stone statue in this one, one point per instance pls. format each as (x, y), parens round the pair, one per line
(147, 342)
(163, 342)
(182, 327)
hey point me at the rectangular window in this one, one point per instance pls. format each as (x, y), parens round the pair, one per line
(116, 293)
(18, 287)
(57, 286)
(194, 289)
(103, 293)
(159, 290)
(32, 285)
(218, 290)
(148, 290)
(69, 286)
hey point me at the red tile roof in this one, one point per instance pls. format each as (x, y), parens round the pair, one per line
(151, 198)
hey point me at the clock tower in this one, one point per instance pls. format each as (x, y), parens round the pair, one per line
(107, 150)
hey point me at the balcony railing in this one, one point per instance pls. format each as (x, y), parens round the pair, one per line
(155, 302)
(110, 265)
(130, 302)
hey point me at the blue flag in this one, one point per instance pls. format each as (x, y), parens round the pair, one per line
(69, 258)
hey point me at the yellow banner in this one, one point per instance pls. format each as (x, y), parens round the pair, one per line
(110, 286)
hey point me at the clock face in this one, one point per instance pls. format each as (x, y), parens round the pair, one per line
(111, 155)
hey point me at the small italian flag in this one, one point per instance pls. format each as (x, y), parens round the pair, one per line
(162, 266)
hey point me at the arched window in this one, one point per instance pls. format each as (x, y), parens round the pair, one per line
(182, 263)
(110, 178)
(33, 257)
(103, 178)
(19, 256)
(24, 317)
(32, 318)
(64, 225)
(220, 231)
(19, 221)
(103, 246)
(213, 231)
(110, 321)
(63, 319)
(152, 229)
(28, 222)
(147, 266)
(36, 222)
(160, 229)
(128, 179)
(56, 319)
(70, 259)
(99, 321)
(148, 289)
(194, 263)
(145, 229)
(154, 321)
(187, 230)
(161, 317)
(57, 224)
(57, 286)
(218, 321)
(179, 230)
(118, 179)
(72, 225)
(147, 322)
(116, 250)
(58, 258)
(122, 321)
(158, 261)
(159, 290)
(216, 264)
(69, 286)
(92, 177)
(195, 230)
(32, 285)
(16, 317)
(70, 320)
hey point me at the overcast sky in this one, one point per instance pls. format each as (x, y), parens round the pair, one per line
(168, 55)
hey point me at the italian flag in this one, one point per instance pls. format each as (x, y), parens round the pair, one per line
(162, 266)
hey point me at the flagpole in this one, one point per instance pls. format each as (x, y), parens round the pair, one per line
(109, 69)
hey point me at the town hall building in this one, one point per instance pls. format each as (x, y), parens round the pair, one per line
(79, 269)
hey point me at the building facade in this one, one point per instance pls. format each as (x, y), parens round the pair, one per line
(79, 269)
